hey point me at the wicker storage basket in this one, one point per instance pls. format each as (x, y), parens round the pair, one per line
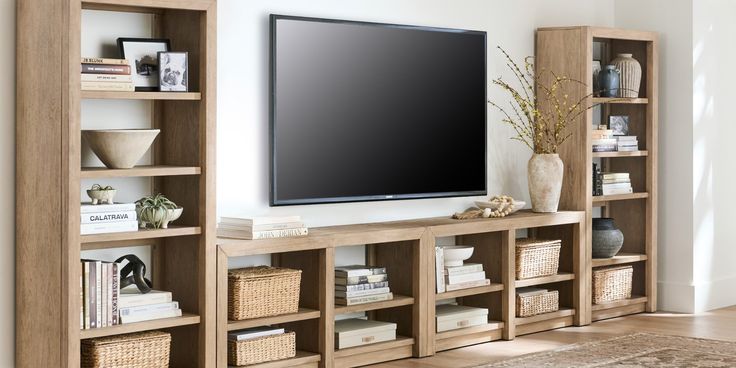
(531, 305)
(537, 258)
(262, 291)
(612, 283)
(137, 350)
(261, 349)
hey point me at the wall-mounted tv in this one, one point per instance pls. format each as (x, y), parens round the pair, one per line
(368, 111)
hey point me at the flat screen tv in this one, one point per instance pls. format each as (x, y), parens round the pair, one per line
(367, 111)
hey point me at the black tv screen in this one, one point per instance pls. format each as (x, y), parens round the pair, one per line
(366, 111)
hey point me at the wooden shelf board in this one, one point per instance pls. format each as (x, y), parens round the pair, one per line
(109, 95)
(620, 154)
(561, 276)
(157, 170)
(184, 320)
(142, 234)
(492, 288)
(397, 301)
(613, 312)
(635, 299)
(460, 332)
(619, 259)
(563, 312)
(301, 315)
(301, 358)
(377, 347)
(620, 100)
(619, 197)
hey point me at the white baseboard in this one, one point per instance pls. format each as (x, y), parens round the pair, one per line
(715, 294)
(675, 297)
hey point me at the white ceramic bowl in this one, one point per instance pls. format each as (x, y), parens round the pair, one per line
(456, 254)
(485, 204)
(120, 148)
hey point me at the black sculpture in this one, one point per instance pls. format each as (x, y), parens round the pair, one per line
(134, 273)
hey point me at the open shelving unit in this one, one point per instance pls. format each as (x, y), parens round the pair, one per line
(570, 51)
(50, 174)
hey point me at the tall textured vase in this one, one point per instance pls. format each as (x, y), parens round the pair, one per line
(630, 70)
(545, 181)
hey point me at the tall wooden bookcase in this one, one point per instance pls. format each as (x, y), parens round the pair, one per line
(49, 174)
(569, 51)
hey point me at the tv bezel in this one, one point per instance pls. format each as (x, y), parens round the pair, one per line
(273, 201)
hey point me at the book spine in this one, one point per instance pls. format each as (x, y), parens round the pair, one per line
(148, 309)
(373, 285)
(617, 191)
(100, 208)
(364, 299)
(606, 148)
(109, 293)
(280, 233)
(360, 272)
(108, 86)
(110, 227)
(98, 293)
(115, 292)
(81, 299)
(439, 264)
(352, 294)
(461, 270)
(360, 279)
(92, 295)
(616, 185)
(105, 69)
(112, 78)
(105, 217)
(103, 295)
(109, 61)
(459, 279)
(86, 295)
(470, 284)
(151, 316)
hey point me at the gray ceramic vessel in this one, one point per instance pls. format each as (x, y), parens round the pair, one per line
(607, 239)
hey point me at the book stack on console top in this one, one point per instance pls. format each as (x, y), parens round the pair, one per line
(102, 74)
(108, 218)
(627, 143)
(457, 275)
(616, 183)
(261, 227)
(360, 284)
(603, 140)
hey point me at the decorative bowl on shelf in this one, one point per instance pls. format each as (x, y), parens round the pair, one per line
(455, 254)
(120, 148)
(99, 194)
(494, 205)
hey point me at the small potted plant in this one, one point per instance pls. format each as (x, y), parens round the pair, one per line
(157, 211)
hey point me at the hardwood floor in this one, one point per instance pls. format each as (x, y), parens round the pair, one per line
(719, 325)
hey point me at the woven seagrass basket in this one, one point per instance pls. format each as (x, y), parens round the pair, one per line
(136, 350)
(262, 291)
(261, 349)
(537, 258)
(612, 283)
(531, 305)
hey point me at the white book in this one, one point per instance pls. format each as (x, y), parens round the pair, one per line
(369, 286)
(285, 233)
(358, 270)
(467, 277)
(89, 77)
(109, 227)
(148, 308)
(108, 86)
(105, 217)
(439, 271)
(88, 207)
(261, 220)
(467, 285)
(264, 227)
(466, 268)
(151, 316)
(616, 185)
(364, 299)
(617, 191)
(131, 297)
(628, 148)
(352, 294)
(357, 315)
(608, 175)
(255, 332)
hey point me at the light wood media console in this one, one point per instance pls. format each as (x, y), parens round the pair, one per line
(406, 249)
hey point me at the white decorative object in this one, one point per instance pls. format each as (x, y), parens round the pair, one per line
(456, 254)
(630, 70)
(100, 194)
(545, 181)
(120, 148)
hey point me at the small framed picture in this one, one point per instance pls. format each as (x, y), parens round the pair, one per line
(173, 70)
(619, 124)
(142, 54)
(596, 70)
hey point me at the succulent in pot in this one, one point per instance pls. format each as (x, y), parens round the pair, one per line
(156, 211)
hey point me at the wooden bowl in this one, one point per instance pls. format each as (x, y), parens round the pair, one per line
(120, 148)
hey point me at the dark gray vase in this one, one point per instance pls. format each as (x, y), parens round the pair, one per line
(609, 80)
(607, 239)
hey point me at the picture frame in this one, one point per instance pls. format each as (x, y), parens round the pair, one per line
(619, 124)
(596, 70)
(142, 56)
(173, 71)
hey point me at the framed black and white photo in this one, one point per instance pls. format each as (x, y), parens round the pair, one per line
(619, 124)
(173, 70)
(142, 54)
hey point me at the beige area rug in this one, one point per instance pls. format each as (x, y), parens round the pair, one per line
(632, 351)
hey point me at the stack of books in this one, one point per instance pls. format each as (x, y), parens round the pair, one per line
(603, 140)
(360, 284)
(108, 218)
(261, 227)
(616, 183)
(100, 294)
(627, 143)
(138, 307)
(102, 74)
(469, 275)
